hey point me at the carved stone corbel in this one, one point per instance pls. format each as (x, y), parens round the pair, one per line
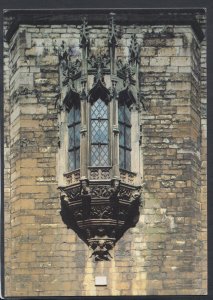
(100, 212)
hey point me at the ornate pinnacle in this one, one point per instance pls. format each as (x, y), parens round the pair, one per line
(84, 41)
(134, 50)
(112, 31)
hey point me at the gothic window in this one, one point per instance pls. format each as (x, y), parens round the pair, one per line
(74, 138)
(99, 134)
(124, 122)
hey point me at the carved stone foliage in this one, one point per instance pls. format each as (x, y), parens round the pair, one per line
(84, 41)
(24, 91)
(73, 69)
(70, 62)
(77, 63)
(100, 213)
(134, 51)
(126, 72)
(99, 61)
(99, 173)
(98, 65)
(128, 69)
(73, 177)
(144, 102)
(112, 31)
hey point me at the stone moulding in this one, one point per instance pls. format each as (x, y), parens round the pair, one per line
(181, 16)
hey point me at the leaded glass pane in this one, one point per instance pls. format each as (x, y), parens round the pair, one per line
(77, 115)
(128, 137)
(77, 135)
(71, 137)
(99, 131)
(104, 155)
(71, 160)
(99, 110)
(121, 157)
(103, 131)
(77, 158)
(103, 110)
(94, 155)
(124, 119)
(74, 138)
(94, 131)
(127, 115)
(99, 134)
(71, 116)
(128, 160)
(121, 135)
(121, 113)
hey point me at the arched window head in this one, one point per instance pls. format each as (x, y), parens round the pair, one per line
(74, 137)
(99, 134)
(124, 122)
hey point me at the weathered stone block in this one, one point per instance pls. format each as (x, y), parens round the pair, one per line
(181, 61)
(159, 61)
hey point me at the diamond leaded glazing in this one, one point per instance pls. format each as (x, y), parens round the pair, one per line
(124, 122)
(99, 110)
(99, 134)
(74, 138)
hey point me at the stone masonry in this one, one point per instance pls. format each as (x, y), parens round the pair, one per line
(166, 253)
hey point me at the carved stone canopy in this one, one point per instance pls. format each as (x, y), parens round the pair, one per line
(71, 98)
(128, 95)
(99, 91)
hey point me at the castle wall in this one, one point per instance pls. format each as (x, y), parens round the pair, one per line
(165, 254)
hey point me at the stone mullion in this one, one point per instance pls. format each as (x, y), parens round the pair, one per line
(84, 140)
(114, 112)
(84, 110)
(115, 140)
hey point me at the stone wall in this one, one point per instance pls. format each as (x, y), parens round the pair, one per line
(166, 252)
(203, 196)
(171, 154)
(7, 190)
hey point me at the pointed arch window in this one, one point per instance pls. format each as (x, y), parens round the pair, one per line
(124, 123)
(74, 121)
(99, 134)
